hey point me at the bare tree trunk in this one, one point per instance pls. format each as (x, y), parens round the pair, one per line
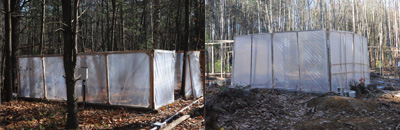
(354, 18)
(70, 50)
(114, 45)
(42, 27)
(271, 17)
(309, 15)
(8, 84)
(156, 23)
(258, 16)
(388, 36)
(122, 25)
(320, 14)
(222, 32)
(185, 47)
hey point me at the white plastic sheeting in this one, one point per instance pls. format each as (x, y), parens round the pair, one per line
(117, 78)
(96, 84)
(55, 82)
(261, 61)
(241, 70)
(286, 66)
(164, 77)
(193, 75)
(313, 58)
(194, 58)
(178, 70)
(301, 60)
(337, 58)
(129, 79)
(31, 77)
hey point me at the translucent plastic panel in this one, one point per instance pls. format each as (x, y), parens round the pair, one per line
(31, 77)
(96, 84)
(261, 62)
(188, 79)
(335, 52)
(334, 38)
(343, 59)
(336, 81)
(286, 67)
(357, 49)
(164, 77)
(313, 61)
(358, 76)
(195, 73)
(349, 57)
(242, 61)
(55, 81)
(129, 79)
(178, 70)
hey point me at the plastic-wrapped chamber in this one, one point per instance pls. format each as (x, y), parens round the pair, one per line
(309, 61)
(138, 79)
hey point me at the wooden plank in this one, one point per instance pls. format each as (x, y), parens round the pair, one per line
(151, 70)
(176, 122)
(107, 79)
(44, 78)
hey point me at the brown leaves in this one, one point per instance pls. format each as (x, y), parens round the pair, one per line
(20, 114)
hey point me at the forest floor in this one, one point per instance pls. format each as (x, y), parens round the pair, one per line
(232, 108)
(22, 114)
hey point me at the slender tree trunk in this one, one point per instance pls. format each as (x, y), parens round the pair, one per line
(113, 44)
(156, 23)
(43, 26)
(178, 32)
(70, 50)
(8, 84)
(354, 17)
(185, 46)
(122, 25)
(388, 37)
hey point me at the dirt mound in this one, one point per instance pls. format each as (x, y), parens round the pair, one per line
(257, 109)
(339, 103)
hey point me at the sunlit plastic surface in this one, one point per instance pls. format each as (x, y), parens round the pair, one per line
(164, 77)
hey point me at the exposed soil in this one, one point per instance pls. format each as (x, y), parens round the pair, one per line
(21, 114)
(231, 108)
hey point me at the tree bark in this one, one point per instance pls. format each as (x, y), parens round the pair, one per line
(113, 44)
(8, 84)
(43, 17)
(156, 23)
(70, 50)
(185, 47)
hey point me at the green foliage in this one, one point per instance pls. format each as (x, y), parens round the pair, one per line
(378, 64)
(218, 66)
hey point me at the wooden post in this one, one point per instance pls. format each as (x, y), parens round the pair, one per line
(44, 78)
(107, 80)
(222, 59)
(272, 59)
(151, 63)
(298, 60)
(212, 59)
